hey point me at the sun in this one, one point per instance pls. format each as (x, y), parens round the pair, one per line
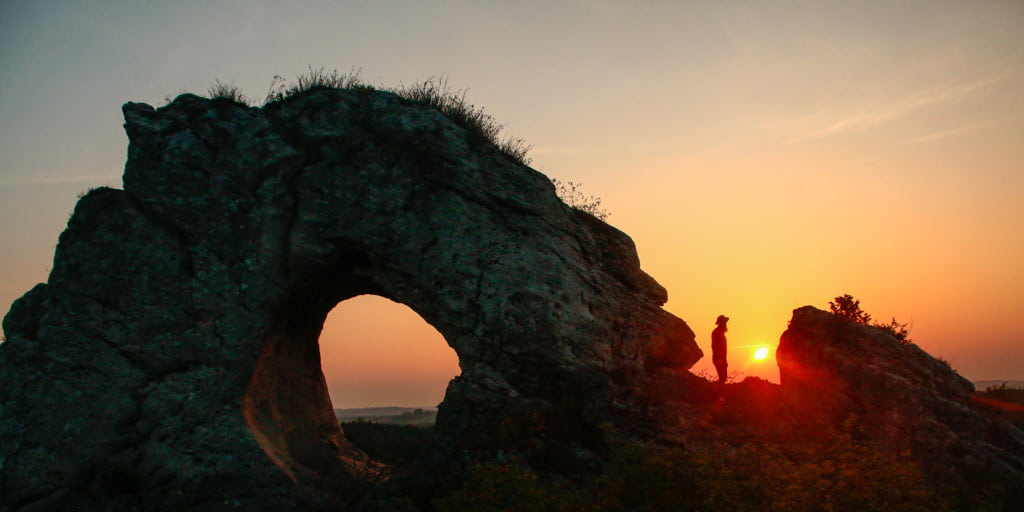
(761, 353)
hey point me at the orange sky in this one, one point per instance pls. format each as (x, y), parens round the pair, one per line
(367, 347)
(763, 156)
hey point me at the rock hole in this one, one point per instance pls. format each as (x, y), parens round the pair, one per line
(379, 353)
(380, 357)
(368, 351)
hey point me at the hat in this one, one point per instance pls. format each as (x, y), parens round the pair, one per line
(721, 319)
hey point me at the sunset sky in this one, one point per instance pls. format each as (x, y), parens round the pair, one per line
(762, 155)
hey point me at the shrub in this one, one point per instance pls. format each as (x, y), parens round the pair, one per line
(897, 330)
(277, 90)
(434, 92)
(230, 92)
(847, 307)
(313, 79)
(571, 194)
(437, 93)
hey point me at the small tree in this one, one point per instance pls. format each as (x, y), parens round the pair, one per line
(899, 331)
(848, 307)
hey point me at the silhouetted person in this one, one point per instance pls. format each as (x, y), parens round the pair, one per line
(719, 348)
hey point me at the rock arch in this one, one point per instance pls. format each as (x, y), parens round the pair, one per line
(170, 356)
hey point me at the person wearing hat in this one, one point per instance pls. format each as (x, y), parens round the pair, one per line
(719, 348)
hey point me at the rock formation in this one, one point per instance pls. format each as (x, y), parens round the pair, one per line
(835, 370)
(171, 359)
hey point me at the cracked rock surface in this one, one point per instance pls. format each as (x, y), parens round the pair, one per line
(171, 359)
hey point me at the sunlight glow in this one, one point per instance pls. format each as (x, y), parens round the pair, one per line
(761, 353)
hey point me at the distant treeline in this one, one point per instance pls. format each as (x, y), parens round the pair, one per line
(389, 416)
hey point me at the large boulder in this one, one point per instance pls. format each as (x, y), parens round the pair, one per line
(843, 373)
(171, 360)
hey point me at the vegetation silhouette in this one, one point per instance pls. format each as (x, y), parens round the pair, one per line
(435, 92)
(572, 194)
(847, 307)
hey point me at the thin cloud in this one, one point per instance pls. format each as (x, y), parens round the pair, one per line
(895, 110)
(957, 131)
(946, 133)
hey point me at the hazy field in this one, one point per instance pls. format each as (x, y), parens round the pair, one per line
(420, 416)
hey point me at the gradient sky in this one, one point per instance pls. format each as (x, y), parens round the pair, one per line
(763, 156)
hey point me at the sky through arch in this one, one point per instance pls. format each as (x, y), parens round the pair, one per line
(379, 353)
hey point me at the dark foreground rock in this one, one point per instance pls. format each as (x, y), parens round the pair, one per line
(171, 361)
(860, 421)
(834, 372)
